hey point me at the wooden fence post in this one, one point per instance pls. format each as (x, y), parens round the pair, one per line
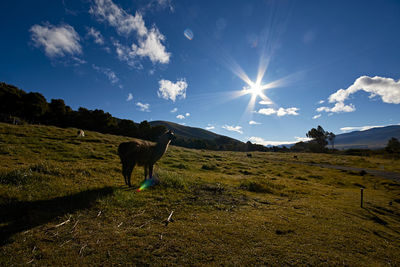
(362, 197)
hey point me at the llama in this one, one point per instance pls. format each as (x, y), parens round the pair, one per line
(81, 133)
(142, 153)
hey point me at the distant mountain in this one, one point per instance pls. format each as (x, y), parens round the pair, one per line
(370, 139)
(190, 132)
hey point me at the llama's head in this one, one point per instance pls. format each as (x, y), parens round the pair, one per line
(170, 135)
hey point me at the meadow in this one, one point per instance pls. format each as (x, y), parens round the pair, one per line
(64, 202)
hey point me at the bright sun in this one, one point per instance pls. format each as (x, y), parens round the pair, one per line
(256, 89)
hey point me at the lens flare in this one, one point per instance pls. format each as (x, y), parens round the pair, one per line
(144, 185)
(188, 34)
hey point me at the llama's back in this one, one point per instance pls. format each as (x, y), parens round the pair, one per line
(139, 151)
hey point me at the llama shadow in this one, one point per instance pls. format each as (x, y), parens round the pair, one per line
(18, 216)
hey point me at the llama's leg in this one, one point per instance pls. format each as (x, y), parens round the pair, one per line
(151, 171)
(124, 171)
(145, 171)
(129, 172)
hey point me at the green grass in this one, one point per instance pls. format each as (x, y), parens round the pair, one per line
(63, 202)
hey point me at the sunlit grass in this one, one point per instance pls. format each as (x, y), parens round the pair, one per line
(270, 209)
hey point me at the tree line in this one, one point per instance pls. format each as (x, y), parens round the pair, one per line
(17, 106)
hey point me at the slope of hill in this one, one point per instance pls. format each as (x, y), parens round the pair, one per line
(370, 139)
(187, 131)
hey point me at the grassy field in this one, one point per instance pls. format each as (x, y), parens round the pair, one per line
(63, 202)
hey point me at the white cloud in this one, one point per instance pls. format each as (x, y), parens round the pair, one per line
(237, 129)
(265, 102)
(149, 40)
(321, 102)
(180, 116)
(106, 10)
(170, 90)
(187, 114)
(174, 110)
(112, 77)
(266, 111)
(254, 123)
(302, 139)
(143, 107)
(359, 128)
(279, 112)
(210, 127)
(287, 111)
(261, 141)
(386, 88)
(339, 107)
(57, 41)
(316, 116)
(96, 35)
(130, 97)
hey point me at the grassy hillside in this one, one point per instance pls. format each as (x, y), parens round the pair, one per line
(63, 202)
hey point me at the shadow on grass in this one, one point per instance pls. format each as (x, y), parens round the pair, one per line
(18, 216)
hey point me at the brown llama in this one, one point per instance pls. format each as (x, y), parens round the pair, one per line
(142, 153)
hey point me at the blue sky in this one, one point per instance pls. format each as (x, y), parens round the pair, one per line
(264, 71)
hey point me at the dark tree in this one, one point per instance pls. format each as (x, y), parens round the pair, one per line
(319, 137)
(331, 138)
(35, 106)
(393, 146)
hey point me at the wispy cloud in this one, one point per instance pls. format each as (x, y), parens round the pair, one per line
(170, 90)
(96, 35)
(386, 88)
(316, 116)
(149, 40)
(143, 107)
(210, 127)
(360, 128)
(237, 129)
(279, 112)
(174, 110)
(266, 102)
(57, 41)
(180, 116)
(112, 77)
(321, 101)
(130, 97)
(254, 123)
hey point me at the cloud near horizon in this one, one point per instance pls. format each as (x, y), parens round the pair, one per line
(180, 116)
(149, 40)
(57, 41)
(279, 112)
(170, 90)
(386, 88)
(360, 128)
(174, 110)
(261, 141)
(143, 107)
(230, 128)
(210, 127)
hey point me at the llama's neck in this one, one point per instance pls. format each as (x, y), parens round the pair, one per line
(161, 148)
